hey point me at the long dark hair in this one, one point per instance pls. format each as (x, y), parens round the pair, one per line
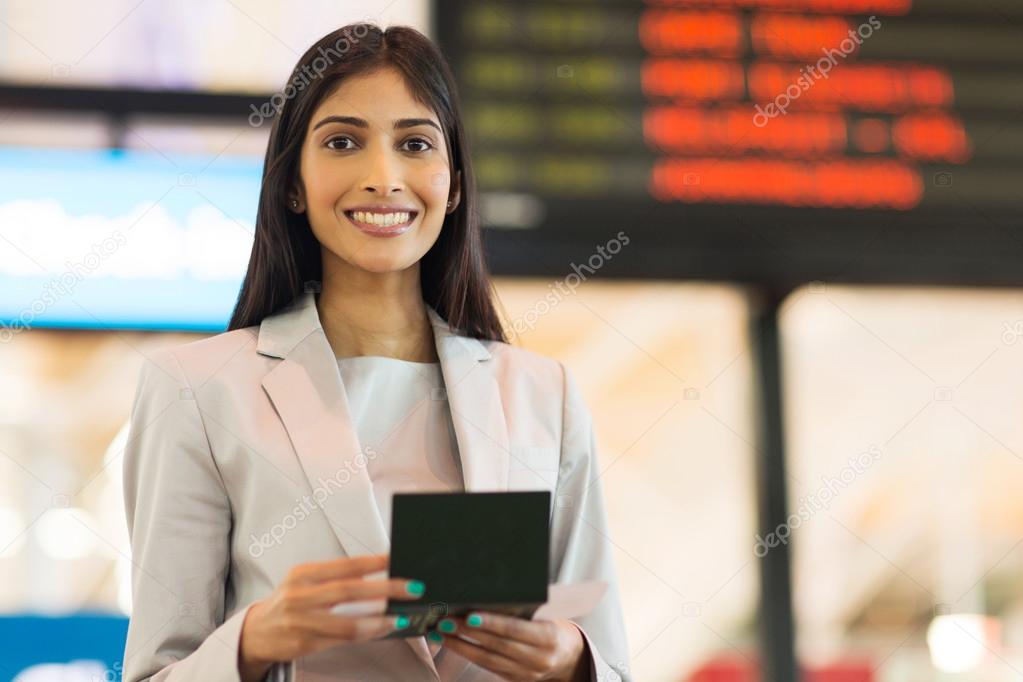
(285, 258)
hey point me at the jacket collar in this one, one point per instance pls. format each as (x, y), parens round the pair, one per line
(308, 393)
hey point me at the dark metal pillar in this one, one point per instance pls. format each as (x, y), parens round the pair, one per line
(777, 637)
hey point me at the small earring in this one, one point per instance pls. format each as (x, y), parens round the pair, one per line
(449, 204)
(294, 203)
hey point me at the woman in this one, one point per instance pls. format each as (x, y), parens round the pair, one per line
(364, 356)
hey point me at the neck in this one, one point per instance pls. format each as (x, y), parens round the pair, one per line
(367, 313)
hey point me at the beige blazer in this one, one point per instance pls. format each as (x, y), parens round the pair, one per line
(242, 462)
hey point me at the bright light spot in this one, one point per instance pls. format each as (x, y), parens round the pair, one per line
(959, 642)
(65, 533)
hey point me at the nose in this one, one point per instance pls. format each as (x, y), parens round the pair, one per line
(383, 173)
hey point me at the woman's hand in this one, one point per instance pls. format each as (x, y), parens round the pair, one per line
(295, 619)
(517, 649)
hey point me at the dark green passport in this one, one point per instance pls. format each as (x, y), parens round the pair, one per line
(474, 551)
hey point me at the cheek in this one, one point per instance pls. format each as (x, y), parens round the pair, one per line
(325, 183)
(436, 190)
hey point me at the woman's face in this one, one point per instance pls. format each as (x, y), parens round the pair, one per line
(374, 175)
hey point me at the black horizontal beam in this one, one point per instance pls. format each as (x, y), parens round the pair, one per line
(122, 102)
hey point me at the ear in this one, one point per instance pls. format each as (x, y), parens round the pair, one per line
(296, 200)
(456, 192)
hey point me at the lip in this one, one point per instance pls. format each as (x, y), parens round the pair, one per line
(381, 230)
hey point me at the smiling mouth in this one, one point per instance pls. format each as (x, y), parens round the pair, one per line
(382, 222)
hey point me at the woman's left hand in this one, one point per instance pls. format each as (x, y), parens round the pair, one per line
(517, 649)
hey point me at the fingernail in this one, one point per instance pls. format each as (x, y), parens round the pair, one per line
(447, 625)
(401, 622)
(415, 587)
(435, 637)
(474, 620)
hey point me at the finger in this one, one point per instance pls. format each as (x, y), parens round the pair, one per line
(535, 632)
(484, 658)
(338, 591)
(350, 629)
(530, 656)
(373, 607)
(318, 571)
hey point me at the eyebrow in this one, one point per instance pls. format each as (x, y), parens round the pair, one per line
(362, 123)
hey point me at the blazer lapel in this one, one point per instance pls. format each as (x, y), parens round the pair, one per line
(306, 389)
(309, 395)
(477, 412)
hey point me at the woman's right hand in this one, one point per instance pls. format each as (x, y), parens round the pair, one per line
(295, 619)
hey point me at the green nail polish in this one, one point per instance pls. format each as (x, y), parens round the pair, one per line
(415, 587)
(401, 622)
(475, 620)
(447, 625)
(435, 637)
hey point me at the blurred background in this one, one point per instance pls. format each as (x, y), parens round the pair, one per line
(779, 242)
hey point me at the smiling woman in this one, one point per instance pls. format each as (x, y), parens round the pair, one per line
(364, 358)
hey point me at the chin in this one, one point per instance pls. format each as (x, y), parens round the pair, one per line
(383, 264)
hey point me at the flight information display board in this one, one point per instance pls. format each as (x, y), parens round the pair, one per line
(820, 135)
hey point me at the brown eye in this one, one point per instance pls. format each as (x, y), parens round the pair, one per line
(329, 143)
(419, 140)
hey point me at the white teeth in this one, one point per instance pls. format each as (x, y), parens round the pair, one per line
(381, 219)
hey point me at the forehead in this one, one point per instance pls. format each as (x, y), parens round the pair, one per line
(380, 96)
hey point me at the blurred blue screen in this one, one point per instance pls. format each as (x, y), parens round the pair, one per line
(123, 239)
(80, 643)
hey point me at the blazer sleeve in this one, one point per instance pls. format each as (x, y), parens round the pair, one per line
(580, 537)
(179, 524)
